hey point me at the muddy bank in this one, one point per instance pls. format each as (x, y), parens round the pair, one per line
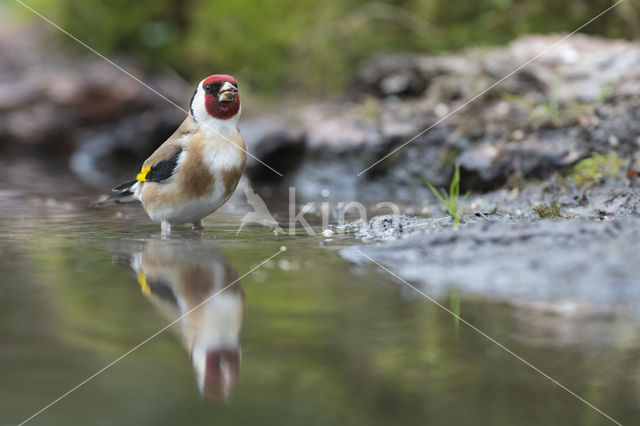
(69, 104)
(583, 263)
(577, 99)
(580, 97)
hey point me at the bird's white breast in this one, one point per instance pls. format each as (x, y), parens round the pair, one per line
(219, 157)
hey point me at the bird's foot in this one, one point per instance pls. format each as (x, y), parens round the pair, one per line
(198, 226)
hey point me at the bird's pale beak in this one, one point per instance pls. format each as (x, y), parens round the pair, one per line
(227, 95)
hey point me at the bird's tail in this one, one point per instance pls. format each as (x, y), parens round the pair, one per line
(124, 193)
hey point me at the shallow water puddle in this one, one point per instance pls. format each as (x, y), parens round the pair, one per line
(306, 338)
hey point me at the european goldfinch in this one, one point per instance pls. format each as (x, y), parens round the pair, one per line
(197, 283)
(197, 169)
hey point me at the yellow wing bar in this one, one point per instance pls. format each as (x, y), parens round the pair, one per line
(142, 176)
(142, 280)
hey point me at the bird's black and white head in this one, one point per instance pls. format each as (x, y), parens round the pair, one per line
(216, 102)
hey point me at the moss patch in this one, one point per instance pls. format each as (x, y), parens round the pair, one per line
(592, 170)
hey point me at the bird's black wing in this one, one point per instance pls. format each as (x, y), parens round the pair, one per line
(160, 171)
(124, 186)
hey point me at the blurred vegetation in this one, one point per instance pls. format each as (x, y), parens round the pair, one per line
(594, 169)
(309, 45)
(555, 112)
(546, 211)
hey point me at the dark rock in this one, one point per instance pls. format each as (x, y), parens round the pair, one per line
(48, 105)
(275, 143)
(397, 75)
(579, 97)
(581, 67)
(406, 75)
(110, 152)
(408, 113)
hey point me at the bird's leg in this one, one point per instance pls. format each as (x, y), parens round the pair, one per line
(198, 226)
(165, 228)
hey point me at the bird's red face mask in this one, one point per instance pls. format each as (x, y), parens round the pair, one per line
(221, 97)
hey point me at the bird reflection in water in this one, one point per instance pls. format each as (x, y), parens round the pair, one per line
(176, 276)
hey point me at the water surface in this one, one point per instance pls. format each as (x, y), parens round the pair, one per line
(306, 339)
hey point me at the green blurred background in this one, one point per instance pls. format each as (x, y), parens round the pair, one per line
(312, 47)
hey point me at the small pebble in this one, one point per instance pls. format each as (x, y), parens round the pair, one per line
(441, 110)
(327, 233)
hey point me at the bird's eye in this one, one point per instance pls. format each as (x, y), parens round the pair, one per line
(207, 88)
